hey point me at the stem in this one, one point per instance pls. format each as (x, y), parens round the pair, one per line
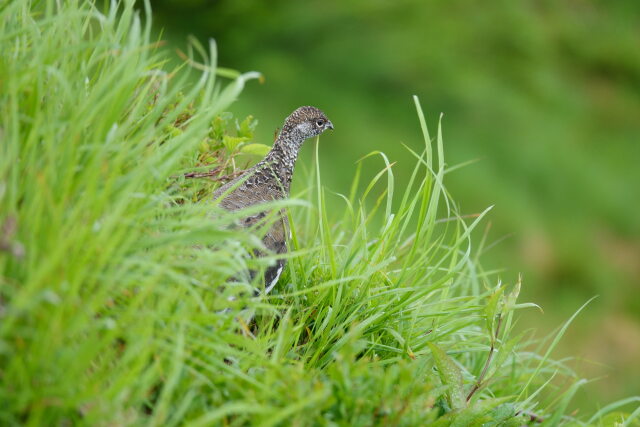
(478, 383)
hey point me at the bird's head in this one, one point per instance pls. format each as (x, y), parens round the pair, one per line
(306, 122)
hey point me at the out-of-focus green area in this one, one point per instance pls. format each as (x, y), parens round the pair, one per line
(545, 94)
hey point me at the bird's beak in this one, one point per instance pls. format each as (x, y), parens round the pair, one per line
(329, 125)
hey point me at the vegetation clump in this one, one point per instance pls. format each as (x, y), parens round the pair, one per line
(114, 299)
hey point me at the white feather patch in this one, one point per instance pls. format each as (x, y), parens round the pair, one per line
(275, 280)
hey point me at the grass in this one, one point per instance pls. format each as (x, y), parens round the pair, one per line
(531, 90)
(114, 300)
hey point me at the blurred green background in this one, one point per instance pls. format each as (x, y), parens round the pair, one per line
(544, 94)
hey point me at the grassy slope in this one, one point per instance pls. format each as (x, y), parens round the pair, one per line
(545, 94)
(113, 279)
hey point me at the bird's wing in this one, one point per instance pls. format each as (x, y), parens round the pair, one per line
(276, 239)
(245, 195)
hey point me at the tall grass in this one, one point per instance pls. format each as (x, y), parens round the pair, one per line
(114, 300)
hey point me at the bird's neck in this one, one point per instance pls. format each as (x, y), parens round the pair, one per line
(280, 162)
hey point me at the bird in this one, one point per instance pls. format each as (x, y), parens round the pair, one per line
(270, 180)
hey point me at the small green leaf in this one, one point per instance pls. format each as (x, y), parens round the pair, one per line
(232, 142)
(493, 308)
(503, 412)
(204, 147)
(256, 149)
(450, 376)
(247, 127)
(513, 295)
(218, 126)
(528, 305)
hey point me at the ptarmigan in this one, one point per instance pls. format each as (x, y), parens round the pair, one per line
(270, 180)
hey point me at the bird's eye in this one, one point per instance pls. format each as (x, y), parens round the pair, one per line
(319, 122)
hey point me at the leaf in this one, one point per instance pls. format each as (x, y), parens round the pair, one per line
(528, 305)
(481, 413)
(513, 295)
(247, 127)
(478, 414)
(450, 376)
(493, 307)
(255, 149)
(218, 126)
(504, 415)
(232, 142)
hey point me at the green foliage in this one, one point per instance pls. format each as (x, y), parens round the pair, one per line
(95, 260)
(451, 377)
(544, 97)
(114, 265)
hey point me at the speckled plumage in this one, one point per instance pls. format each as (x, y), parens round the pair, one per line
(270, 179)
